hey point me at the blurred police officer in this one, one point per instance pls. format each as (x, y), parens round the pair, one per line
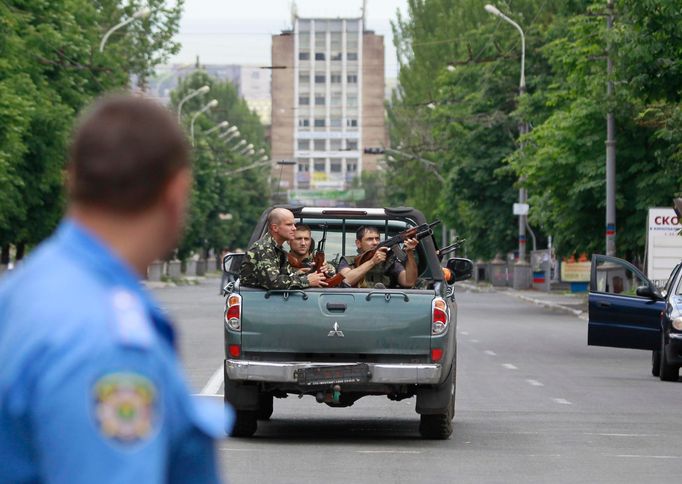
(90, 387)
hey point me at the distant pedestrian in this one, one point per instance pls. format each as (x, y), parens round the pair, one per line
(90, 384)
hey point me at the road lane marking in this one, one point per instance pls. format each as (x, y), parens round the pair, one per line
(214, 383)
(509, 366)
(388, 451)
(535, 383)
(561, 401)
(474, 340)
(638, 456)
(465, 333)
(620, 435)
(491, 353)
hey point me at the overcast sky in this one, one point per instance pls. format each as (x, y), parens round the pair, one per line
(239, 31)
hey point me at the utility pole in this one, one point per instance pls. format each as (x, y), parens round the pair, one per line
(610, 144)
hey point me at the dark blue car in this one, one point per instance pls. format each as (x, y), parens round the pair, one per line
(627, 310)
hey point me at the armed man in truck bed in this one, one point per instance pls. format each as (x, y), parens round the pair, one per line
(265, 264)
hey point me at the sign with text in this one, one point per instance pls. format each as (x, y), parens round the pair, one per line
(520, 209)
(575, 271)
(663, 243)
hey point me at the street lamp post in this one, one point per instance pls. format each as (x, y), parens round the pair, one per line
(213, 103)
(282, 164)
(142, 13)
(610, 148)
(221, 125)
(196, 92)
(521, 269)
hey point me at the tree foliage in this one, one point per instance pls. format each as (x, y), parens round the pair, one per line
(50, 68)
(465, 118)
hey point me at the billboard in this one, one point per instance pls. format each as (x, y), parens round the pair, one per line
(663, 243)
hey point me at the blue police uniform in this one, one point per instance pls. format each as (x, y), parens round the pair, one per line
(90, 385)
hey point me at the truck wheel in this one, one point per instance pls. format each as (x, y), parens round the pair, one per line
(264, 406)
(668, 372)
(437, 426)
(656, 362)
(245, 423)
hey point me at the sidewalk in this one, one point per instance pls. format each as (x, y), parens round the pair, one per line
(572, 303)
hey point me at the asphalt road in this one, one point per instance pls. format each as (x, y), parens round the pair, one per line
(534, 404)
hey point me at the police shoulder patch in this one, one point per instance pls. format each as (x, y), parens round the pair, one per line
(126, 407)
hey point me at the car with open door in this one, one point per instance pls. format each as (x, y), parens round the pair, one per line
(627, 310)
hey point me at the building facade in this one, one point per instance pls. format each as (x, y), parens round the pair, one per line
(327, 105)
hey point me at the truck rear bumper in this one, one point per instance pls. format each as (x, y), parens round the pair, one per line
(391, 373)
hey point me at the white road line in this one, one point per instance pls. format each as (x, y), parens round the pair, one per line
(620, 435)
(465, 333)
(388, 451)
(535, 383)
(214, 383)
(561, 401)
(637, 456)
(509, 366)
(490, 352)
(474, 340)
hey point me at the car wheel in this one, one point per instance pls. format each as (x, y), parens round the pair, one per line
(264, 406)
(656, 362)
(668, 372)
(245, 423)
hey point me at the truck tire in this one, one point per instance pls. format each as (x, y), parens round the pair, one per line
(437, 426)
(265, 406)
(668, 372)
(656, 362)
(245, 423)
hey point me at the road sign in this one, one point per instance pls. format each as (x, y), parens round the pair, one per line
(520, 209)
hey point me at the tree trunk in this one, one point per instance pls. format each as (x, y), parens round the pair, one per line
(21, 249)
(4, 255)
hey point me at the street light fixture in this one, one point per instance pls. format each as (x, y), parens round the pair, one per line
(142, 13)
(246, 148)
(261, 151)
(241, 143)
(211, 104)
(224, 124)
(196, 92)
(522, 275)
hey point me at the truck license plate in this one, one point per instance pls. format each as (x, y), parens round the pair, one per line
(329, 375)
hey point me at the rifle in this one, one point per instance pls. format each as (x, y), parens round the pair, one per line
(318, 258)
(418, 232)
(456, 245)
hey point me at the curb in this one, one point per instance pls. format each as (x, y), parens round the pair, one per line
(578, 313)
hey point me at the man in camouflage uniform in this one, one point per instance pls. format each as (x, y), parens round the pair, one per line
(265, 264)
(377, 271)
(301, 249)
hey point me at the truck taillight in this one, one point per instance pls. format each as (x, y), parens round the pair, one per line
(233, 312)
(440, 316)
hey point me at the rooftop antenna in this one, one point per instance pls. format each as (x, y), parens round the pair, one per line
(294, 13)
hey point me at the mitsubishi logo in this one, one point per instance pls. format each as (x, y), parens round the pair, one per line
(336, 331)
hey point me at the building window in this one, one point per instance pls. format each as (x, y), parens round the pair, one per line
(335, 166)
(352, 123)
(303, 78)
(303, 145)
(303, 166)
(303, 100)
(319, 145)
(304, 122)
(351, 144)
(320, 79)
(352, 101)
(320, 165)
(336, 78)
(319, 56)
(351, 166)
(304, 56)
(352, 56)
(352, 79)
(319, 123)
(336, 100)
(304, 25)
(335, 122)
(337, 56)
(319, 100)
(334, 144)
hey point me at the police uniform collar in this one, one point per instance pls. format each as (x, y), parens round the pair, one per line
(91, 251)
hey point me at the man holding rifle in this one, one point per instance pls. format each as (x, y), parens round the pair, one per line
(377, 271)
(300, 258)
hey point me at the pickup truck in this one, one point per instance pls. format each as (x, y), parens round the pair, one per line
(341, 344)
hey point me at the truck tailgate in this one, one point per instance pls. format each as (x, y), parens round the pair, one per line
(337, 321)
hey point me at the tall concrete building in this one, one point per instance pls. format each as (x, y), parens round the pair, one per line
(327, 105)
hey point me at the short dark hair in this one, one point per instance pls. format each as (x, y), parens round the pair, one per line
(303, 227)
(124, 152)
(360, 233)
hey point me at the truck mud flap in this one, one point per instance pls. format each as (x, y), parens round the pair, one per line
(437, 399)
(241, 396)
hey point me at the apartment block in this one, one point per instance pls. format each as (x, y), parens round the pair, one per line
(327, 105)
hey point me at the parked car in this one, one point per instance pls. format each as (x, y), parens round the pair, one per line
(627, 310)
